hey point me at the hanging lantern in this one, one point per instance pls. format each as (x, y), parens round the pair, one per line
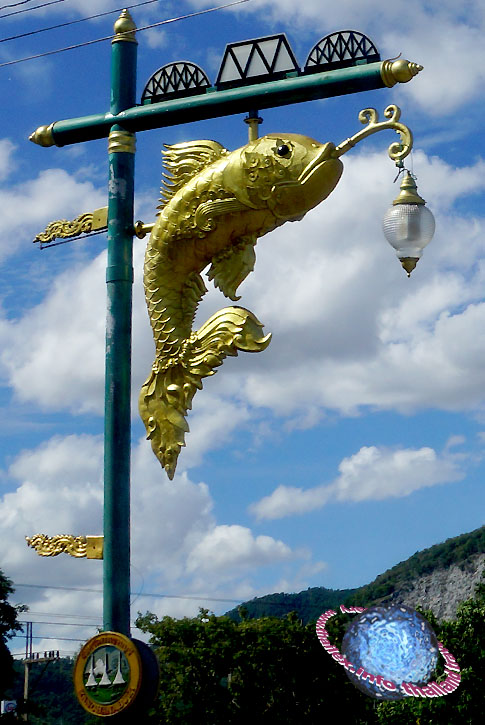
(408, 225)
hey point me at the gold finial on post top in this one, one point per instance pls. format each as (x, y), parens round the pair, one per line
(125, 28)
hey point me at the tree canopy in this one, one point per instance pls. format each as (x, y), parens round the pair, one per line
(464, 637)
(217, 670)
(9, 625)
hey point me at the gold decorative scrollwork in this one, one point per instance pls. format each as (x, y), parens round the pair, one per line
(82, 224)
(90, 547)
(398, 150)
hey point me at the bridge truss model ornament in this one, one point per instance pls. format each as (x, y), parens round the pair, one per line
(214, 207)
(175, 80)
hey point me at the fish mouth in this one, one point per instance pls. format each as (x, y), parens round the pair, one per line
(293, 199)
(325, 154)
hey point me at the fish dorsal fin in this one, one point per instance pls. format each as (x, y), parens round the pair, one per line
(182, 161)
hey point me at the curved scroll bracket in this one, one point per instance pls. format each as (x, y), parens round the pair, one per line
(368, 116)
(89, 547)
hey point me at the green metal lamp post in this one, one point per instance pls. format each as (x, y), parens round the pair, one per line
(119, 279)
(119, 126)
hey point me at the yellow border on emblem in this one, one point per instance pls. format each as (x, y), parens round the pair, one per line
(130, 650)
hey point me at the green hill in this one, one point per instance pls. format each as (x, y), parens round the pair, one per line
(308, 604)
(311, 603)
(456, 550)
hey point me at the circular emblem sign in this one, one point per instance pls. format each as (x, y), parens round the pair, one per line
(107, 674)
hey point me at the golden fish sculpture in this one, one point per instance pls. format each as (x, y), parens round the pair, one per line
(215, 205)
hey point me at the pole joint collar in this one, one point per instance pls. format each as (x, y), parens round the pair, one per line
(119, 273)
(121, 142)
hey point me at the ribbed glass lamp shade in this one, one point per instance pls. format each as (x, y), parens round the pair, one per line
(408, 228)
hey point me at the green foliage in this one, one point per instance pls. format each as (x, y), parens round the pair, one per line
(215, 670)
(273, 669)
(51, 693)
(9, 625)
(465, 639)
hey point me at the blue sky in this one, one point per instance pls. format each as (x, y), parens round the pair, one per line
(357, 437)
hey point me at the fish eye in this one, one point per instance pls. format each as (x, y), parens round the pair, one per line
(283, 150)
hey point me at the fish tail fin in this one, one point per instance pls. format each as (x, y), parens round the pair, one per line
(163, 404)
(167, 395)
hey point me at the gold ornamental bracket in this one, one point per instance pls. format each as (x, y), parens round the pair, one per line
(88, 547)
(368, 116)
(86, 223)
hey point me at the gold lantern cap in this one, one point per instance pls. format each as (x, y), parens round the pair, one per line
(409, 192)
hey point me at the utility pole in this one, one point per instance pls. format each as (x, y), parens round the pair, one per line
(30, 659)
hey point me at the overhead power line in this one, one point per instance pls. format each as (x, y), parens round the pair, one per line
(74, 22)
(63, 653)
(14, 5)
(61, 639)
(110, 37)
(62, 624)
(28, 10)
(58, 614)
(144, 594)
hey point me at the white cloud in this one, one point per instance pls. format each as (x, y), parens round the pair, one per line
(59, 490)
(349, 329)
(229, 549)
(290, 500)
(442, 36)
(90, 7)
(156, 38)
(7, 149)
(178, 548)
(28, 206)
(371, 474)
(213, 424)
(54, 355)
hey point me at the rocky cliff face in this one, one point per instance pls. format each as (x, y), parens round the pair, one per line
(444, 589)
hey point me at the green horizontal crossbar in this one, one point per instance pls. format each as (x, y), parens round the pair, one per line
(213, 104)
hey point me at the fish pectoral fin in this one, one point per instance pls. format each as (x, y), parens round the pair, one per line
(205, 213)
(231, 266)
